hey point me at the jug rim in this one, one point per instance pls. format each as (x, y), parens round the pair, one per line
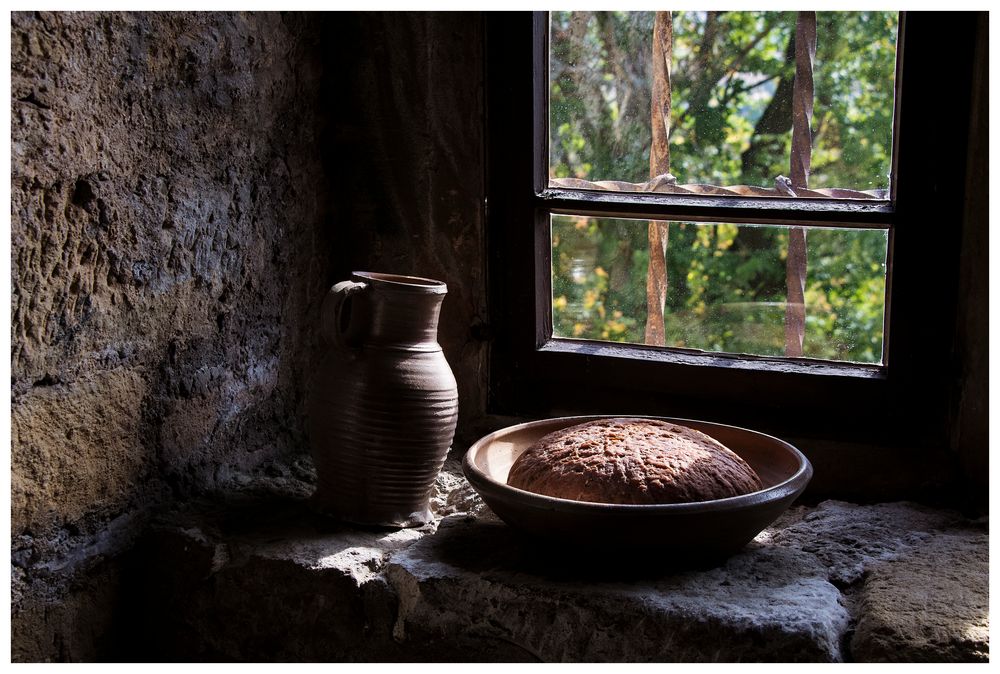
(403, 282)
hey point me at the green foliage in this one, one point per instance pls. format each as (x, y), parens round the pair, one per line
(600, 94)
(730, 124)
(852, 118)
(846, 294)
(594, 286)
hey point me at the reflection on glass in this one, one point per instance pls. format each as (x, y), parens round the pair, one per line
(726, 286)
(730, 110)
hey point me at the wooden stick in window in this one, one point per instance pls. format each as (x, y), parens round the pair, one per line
(802, 110)
(659, 165)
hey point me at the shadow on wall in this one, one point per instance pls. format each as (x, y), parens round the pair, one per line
(169, 252)
(404, 97)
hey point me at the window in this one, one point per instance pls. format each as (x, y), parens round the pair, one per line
(539, 366)
(732, 103)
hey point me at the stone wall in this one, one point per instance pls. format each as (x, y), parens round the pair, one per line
(171, 241)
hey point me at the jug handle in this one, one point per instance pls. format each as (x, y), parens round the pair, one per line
(332, 317)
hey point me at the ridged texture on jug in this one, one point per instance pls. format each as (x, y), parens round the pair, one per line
(384, 411)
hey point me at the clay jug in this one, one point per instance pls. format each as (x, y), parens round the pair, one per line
(384, 402)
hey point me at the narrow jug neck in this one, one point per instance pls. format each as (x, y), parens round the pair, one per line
(402, 312)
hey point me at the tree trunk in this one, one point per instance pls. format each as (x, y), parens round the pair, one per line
(774, 121)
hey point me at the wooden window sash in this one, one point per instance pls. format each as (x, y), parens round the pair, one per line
(658, 201)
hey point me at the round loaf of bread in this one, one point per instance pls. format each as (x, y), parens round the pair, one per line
(632, 461)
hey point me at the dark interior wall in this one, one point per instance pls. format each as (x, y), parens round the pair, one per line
(407, 167)
(970, 425)
(170, 245)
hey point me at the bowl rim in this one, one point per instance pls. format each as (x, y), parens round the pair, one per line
(482, 482)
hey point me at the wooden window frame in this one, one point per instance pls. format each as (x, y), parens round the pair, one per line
(531, 374)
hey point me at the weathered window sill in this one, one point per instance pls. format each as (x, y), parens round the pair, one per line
(265, 580)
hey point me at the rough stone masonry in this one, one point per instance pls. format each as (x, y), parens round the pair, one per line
(169, 250)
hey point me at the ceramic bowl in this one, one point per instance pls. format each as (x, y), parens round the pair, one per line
(704, 531)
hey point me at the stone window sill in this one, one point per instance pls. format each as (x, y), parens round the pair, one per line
(261, 578)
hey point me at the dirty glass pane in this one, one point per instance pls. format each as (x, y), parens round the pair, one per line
(730, 115)
(726, 286)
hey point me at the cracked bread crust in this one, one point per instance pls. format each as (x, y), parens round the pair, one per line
(632, 461)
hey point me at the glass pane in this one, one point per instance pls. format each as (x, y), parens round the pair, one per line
(731, 102)
(726, 286)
